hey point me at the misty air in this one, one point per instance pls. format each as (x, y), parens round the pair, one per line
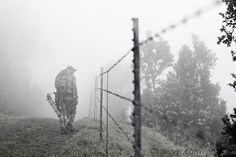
(117, 78)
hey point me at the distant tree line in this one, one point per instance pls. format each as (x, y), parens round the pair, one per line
(226, 146)
(185, 103)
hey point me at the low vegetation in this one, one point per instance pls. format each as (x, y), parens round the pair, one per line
(41, 137)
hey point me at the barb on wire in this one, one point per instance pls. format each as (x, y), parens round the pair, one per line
(186, 19)
(114, 65)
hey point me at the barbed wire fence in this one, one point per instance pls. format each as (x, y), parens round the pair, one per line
(136, 115)
(93, 110)
(106, 108)
(183, 21)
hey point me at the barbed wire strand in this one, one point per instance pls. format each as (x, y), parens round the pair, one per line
(117, 95)
(121, 129)
(114, 119)
(183, 21)
(143, 105)
(117, 124)
(116, 63)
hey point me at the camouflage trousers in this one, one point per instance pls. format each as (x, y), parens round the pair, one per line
(66, 104)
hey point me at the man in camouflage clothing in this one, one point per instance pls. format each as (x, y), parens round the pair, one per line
(66, 97)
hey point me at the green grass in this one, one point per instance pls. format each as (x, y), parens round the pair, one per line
(41, 137)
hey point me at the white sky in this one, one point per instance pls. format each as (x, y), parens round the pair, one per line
(89, 34)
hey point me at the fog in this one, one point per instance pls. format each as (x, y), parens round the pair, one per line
(40, 38)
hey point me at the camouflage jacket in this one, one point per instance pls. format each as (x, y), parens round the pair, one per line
(66, 82)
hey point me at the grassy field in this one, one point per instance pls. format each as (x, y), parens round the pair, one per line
(41, 137)
(30, 137)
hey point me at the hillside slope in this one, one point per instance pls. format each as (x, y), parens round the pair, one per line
(41, 137)
(86, 143)
(30, 137)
